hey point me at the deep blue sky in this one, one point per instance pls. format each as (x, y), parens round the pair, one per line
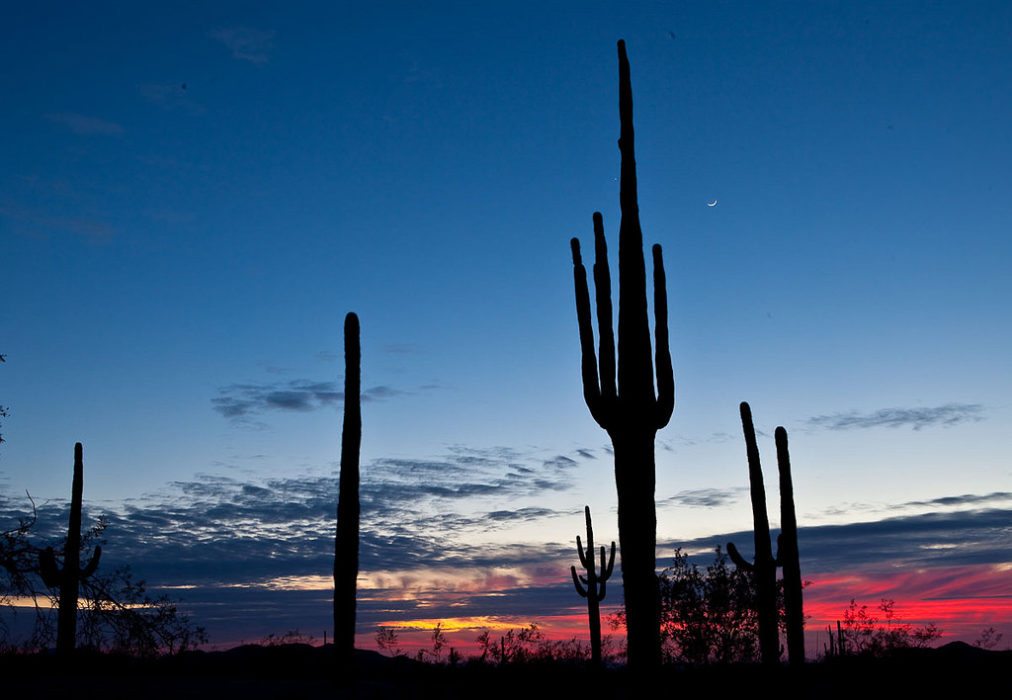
(192, 197)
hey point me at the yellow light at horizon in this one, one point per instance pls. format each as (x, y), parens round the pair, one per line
(458, 624)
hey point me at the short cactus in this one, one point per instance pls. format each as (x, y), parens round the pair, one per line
(594, 585)
(68, 579)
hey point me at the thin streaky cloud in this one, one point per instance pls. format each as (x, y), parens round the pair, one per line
(704, 498)
(247, 43)
(170, 96)
(973, 499)
(85, 125)
(239, 401)
(39, 223)
(917, 418)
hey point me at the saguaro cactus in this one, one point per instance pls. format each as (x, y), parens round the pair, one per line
(69, 578)
(593, 586)
(764, 569)
(346, 541)
(630, 412)
(788, 556)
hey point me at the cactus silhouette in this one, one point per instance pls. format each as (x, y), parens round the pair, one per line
(630, 412)
(594, 585)
(764, 569)
(788, 556)
(69, 578)
(346, 541)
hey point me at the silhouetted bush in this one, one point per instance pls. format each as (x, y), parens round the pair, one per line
(877, 634)
(707, 615)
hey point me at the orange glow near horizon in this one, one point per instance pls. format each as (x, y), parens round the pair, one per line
(960, 601)
(461, 633)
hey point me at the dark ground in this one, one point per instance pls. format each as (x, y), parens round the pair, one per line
(300, 671)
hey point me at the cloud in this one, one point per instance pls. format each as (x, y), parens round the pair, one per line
(85, 125)
(246, 546)
(239, 401)
(170, 96)
(971, 499)
(969, 537)
(246, 43)
(215, 530)
(703, 498)
(93, 230)
(916, 418)
(526, 514)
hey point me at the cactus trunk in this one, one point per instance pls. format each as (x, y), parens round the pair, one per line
(68, 579)
(789, 557)
(66, 628)
(346, 541)
(765, 569)
(630, 411)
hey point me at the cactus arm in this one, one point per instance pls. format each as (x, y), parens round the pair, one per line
(590, 563)
(738, 559)
(602, 292)
(662, 354)
(591, 390)
(93, 563)
(579, 550)
(50, 573)
(576, 582)
(602, 589)
(611, 562)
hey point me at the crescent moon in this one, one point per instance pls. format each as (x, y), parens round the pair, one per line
(712, 204)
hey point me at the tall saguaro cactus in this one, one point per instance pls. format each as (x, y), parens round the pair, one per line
(764, 569)
(346, 541)
(69, 578)
(788, 555)
(593, 586)
(630, 411)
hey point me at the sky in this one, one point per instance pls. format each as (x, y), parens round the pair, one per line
(192, 197)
